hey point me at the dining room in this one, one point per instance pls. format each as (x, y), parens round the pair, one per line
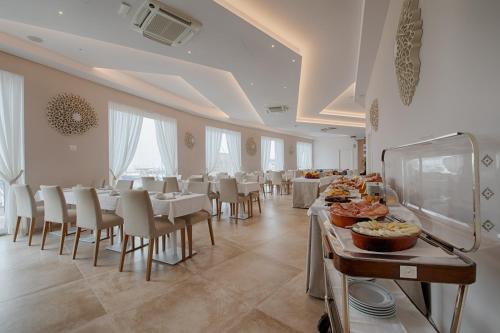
(249, 166)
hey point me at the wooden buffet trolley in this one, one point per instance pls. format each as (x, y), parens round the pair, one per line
(435, 259)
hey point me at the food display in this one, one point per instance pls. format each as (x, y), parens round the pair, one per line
(373, 177)
(352, 183)
(334, 191)
(384, 236)
(347, 214)
(337, 199)
(312, 175)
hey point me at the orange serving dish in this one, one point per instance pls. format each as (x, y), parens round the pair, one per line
(346, 214)
(383, 244)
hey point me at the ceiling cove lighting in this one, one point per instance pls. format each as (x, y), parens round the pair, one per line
(330, 122)
(349, 114)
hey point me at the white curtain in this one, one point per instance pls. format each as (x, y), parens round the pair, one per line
(280, 155)
(272, 159)
(166, 137)
(234, 147)
(11, 139)
(265, 153)
(304, 155)
(213, 139)
(125, 124)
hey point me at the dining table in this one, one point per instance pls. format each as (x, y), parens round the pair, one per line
(306, 190)
(171, 205)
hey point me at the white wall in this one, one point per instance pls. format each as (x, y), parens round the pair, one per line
(459, 90)
(335, 153)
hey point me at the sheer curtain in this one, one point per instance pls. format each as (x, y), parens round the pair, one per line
(280, 154)
(213, 139)
(265, 153)
(234, 147)
(166, 137)
(11, 139)
(304, 155)
(125, 125)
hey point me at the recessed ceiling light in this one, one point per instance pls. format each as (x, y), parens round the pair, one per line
(284, 87)
(60, 12)
(189, 52)
(251, 83)
(272, 45)
(35, 39)
(293, 60)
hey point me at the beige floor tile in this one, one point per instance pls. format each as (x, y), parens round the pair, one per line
(103, 324)
(257, 322)
(195, 305)
(290, 304)
(251, 275)
(57, 309)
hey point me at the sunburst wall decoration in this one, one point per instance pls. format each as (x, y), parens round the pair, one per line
(71, 114)
(407, 50)
(189, 140)
(374, 114)
(251, 147)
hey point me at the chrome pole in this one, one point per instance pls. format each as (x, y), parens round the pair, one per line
(459, 306)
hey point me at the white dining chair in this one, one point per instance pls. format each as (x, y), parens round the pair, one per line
(147, 181)
(276, 181)
(202, 215)
(172, 185)
(26, 208)
(56, 211)
(139, 221)
(239, 176)
(228, 191)
(89, 216)
(123, 184)
(156, 186)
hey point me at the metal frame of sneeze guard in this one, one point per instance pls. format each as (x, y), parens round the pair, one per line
(475, 183)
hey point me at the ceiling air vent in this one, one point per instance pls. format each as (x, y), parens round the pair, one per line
(277, 109)
(160, 23)
(328, 129)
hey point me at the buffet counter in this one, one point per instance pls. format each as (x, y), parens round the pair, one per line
(306, 190)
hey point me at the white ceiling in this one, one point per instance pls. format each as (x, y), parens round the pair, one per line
(231, 71)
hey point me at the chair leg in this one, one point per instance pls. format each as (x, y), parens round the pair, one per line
(18, 222)
(150, 258)
(77, 238)
(164, 242)
(237, 210)
(209, 220)
(63, 235)
(190, 239)
(124, 250)
(183, 243)
(258, 202)
(121, 233)
(44, 233)
(112, 235)
(157, 245)
(133, 242)
(32, 228)
(142, 241)
(96, 248)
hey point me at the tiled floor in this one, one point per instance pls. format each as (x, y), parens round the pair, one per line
(252, 280)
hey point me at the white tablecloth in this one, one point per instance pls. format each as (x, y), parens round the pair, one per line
(244, 187)
(305, 191)
(181, 205)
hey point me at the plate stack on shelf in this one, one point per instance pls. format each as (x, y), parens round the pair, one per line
(371, 299)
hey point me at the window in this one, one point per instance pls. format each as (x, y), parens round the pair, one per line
(272, 154)
(141, 144)
(304, 155)
(222, 150)
(11, 143)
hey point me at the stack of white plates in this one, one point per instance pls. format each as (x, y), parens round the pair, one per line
(371, 299)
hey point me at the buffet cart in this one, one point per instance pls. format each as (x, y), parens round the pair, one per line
(433, 180)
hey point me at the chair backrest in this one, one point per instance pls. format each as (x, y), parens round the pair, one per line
(146, 182)
(251, 178)
(25, 202)
(239, 176)
(122, 185)
(276, 177)
(196, 178)
(54, 204)
(157, 186)
(221, 175)
(198, 187)
(88, 209)
(172, 185)
(137, 213)
(228, 190)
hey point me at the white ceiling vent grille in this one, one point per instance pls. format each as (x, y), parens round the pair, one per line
(328, 129)
(160, 23)
(277, 109)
